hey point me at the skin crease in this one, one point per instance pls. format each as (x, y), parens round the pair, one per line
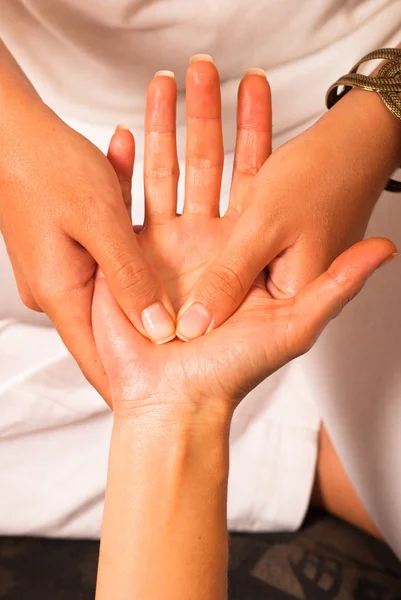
(173, 402)
(310, 201)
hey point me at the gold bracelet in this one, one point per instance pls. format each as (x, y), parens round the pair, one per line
(386, 83)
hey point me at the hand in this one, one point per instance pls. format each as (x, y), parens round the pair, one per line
(310, 201)
(218, 369)
(61, 212)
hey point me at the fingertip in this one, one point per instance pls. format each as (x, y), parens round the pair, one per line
(324, 298)
(256, 71)
(202, 73)
(254, 101)
(161, 98)
(162, 83)
(158, 323)
(203, 96)
(121, 152)
(366, 255)
(165, 73)
(194, 321)
(384, 245)
(200, 58)
(389, 259)
(255, 82)
(122, 136)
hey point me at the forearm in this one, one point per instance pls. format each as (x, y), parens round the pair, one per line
(17, 94)
(365, 131)
(361, 124)
(164, 528)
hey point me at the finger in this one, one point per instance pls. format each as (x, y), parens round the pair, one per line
(117, 341)
(161, 169)
(204, 148)
(254, 134)
(224, 285)
(324, 298)
(121, 154)
(111, 241)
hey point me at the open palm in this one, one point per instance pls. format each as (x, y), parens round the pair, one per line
(264, 333)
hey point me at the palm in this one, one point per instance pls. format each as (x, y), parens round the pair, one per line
(264, 333)
(181, 250)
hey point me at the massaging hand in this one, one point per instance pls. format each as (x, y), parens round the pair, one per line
(218, 369)
(61, 212)
(310, 201)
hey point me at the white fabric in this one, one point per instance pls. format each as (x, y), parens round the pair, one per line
(91, 62)
(54, 429)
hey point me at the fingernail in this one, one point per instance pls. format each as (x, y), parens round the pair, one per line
(199, 57)
(122, 126)
(388, 259)
(158, 324)
(194, 322)
(165, 73)
(260, 72)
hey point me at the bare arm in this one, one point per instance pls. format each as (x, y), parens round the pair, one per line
(16, 91)
(166, 506)
(62, 212)
(164, 530)
(309, 201)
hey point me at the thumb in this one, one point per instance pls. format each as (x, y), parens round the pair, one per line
(324, 298)
(220, 290)
(109, 238)
(121, 155)
(117, 342)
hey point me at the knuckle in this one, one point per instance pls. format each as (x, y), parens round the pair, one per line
(298, 336)
(226, 282)
(245, 167)
(135, 279)
(303, 344)
(49, 289)
(337, 280)
(43, 294)
(162, 172)
(204, 163)
(27, 299)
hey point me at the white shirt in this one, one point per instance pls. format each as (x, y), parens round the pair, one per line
(91, 61)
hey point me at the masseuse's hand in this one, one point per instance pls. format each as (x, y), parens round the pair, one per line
(310, 201)
(213, 372)
(61, 213)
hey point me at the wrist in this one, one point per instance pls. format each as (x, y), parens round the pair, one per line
(175, 435)
(166, 488)
(370, 113)
(367, 133)
(172, 427)
(180, 411)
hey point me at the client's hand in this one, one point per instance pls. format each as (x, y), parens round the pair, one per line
(265, 333)
(168, 466)
(311, 200)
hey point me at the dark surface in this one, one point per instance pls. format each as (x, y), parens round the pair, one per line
(326, 560)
